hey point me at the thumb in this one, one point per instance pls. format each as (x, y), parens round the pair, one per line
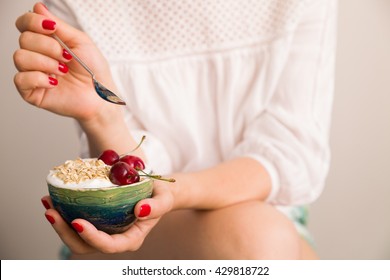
(65, 31)
(158, 205)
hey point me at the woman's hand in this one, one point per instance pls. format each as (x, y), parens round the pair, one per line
(49, 78)
(84, 238)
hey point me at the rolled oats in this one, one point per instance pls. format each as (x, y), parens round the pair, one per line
(76, 171)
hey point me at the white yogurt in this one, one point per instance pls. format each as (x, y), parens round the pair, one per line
(87, 184)
(98, 182)
(101, 182)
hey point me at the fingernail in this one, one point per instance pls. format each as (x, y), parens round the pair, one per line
(79, 228)
(48, 24)
(144, 210)
(45, 204)
(66, 54)
(62, 67)
(53, 81)
(50, 218)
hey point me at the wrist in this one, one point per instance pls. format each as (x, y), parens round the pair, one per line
(103, 119)
(107, 130)
(181, 192)
(103, 116)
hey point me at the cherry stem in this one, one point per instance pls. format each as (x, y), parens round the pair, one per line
(139, 144)
(156, 177)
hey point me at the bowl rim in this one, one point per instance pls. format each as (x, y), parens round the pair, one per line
(142, 181)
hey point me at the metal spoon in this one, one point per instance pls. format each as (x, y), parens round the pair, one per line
(102, 91)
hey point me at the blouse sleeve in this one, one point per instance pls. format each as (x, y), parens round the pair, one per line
(290, 137)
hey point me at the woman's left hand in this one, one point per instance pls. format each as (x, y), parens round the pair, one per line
(84, 238)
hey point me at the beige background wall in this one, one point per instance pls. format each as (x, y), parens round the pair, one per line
(352, 218)
(349, 221)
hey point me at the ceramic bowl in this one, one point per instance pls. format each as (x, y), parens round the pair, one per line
(110, 209)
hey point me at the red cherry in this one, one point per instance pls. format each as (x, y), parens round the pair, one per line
(109, 157)
(123, 174)
(133, 161)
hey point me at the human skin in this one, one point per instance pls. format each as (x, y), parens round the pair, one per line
(220, 210)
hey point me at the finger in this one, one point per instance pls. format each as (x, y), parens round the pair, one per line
(66, 32)
(44, 22)
(67, 234)
(33, 85)
(136, 234)
(160, 203)
(47, 202)
(95, 238)
(36, 23)
(31, 61)
(43, 44)
(130, 240)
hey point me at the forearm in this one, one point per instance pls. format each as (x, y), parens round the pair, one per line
(238, 180)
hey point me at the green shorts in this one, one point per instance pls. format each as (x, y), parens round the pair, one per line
(299, 216)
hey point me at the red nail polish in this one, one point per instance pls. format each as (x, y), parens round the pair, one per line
(144, 210)
(66, 54)
(50, 218)
(53, 81)
(45, 204)
(79, 228)
(48, 24)
(62, 67)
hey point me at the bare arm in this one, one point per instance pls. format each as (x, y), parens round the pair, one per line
(231, 182)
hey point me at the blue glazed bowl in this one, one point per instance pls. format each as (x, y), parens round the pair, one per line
(110, 209)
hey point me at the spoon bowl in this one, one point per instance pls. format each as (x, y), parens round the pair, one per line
(106, 94)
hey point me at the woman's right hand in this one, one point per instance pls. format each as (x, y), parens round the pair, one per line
(52, 80)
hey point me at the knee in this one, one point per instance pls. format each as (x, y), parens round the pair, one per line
(259, 231)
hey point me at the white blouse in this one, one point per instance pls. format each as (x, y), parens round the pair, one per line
(210, 80)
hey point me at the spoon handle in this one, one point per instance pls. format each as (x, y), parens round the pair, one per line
(74, 55)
